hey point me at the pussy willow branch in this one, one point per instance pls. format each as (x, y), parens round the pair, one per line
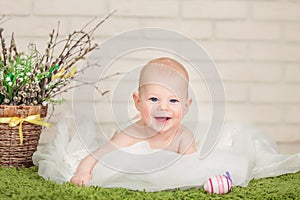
(101, 22)
(55, 41)
(88, 34)
(80, 46)
(87, 65)
(82, 83)
(80, 56)
(13, 46)
(3, 20)
(68, 47)
(4, 50)
(74, 49)
(79, 85)
(48, 54)
(77, 45)
(74, 46)
(7, 53)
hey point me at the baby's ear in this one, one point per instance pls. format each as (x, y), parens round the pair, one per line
(137, 101)
(187, 105)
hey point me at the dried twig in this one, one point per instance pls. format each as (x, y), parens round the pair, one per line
(3, 20)
(39, 78)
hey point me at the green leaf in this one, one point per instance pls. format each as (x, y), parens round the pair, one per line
(51, 70)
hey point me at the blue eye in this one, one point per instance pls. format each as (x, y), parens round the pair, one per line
(174, 100)
(153, 99)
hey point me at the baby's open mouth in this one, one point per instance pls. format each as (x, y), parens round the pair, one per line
(162, 119)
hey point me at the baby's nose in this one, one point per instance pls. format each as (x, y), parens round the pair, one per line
(163, 106)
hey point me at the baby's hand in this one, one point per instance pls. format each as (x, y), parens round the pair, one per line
(81, 178)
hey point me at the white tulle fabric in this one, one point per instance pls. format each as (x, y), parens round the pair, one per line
(242, 150)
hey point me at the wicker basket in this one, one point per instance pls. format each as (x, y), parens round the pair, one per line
(12, 153)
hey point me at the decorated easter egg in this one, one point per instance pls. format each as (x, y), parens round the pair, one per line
(220, 184)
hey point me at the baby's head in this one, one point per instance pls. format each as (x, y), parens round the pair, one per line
(167, 73)
(169, 63)
(162, 98)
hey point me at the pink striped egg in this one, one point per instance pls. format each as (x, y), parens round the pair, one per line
(220, 184)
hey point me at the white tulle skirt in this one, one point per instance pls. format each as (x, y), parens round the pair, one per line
(245, 152)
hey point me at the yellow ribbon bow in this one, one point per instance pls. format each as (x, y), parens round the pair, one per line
(33, 119)
(60, 74)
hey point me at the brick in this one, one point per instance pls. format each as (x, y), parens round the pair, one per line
(248, 72)
(275, 52)
(236, 92)
(123, 90)
(200, 90)
(69, 7)
(275, 93)
(292, 31)
(110, 27)
(204, 112)
(102, 111)
(199, 113)
(144, 8)
(18, 7)
(292, 147)
(85, 96)
(248, 30)
(196, 29)
(35, 26)
(253, 113)
(265, 113)
(109, 48)
(276, 10)
(192, 28)
(122, 65)
(145, 53)
(194, 69)
(127, 67)
(292, 73)
(107, 114)
(187, 48)
(223, 50)
(282, 133)
(293, 114)
(214, 10)
(95, 97)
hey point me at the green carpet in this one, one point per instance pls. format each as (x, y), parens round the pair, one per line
(24, 183)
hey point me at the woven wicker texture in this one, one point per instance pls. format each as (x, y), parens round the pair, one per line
(12, 153)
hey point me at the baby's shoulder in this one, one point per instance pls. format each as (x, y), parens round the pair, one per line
(185, 134)
(123, 138)
(185, 131)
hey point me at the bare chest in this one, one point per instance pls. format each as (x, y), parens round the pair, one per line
(171, 145)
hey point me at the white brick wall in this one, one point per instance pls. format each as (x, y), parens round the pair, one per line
(18, 7)
(255, 45)
(283, 10)
(214, 10)
(155, 8)
(291, 31)
(248, 30)
(69, 8)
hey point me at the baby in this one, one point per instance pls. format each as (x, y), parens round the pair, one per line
(162, 100)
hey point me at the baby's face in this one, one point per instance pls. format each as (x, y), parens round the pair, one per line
(160, 108)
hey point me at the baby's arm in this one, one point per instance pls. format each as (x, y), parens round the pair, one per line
(86, 166)
(187, 143)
